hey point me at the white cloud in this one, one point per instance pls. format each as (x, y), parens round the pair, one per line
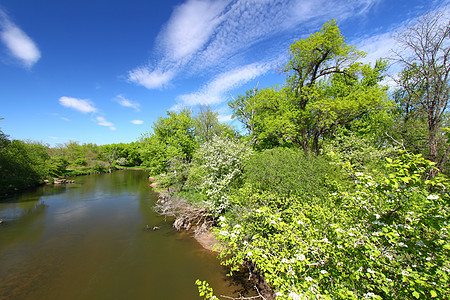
(207, 35)
(126, 102)
(176, 107)
(224, 118)
(19, 44)
(150, 79)
(137, 122)
(82, 105)
(214, 92)
(102, 122)
(190, 27)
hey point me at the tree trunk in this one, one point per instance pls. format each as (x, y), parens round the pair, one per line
(305, 141)
(433, 150)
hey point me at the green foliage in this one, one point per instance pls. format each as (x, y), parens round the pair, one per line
(287, 172)
(326, 86)
(205, 290)
(22, 165)
(207, 126)
(360, 151)
(173, 138)
(385, 238)
(100, 167)
(58, 166)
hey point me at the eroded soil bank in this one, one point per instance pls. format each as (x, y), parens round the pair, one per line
(196, 220)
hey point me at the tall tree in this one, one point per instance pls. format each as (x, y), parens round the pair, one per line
(326, 86)
(314, 58)
(424, 82)
(207, 125)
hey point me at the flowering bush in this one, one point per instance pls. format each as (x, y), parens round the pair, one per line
(218, 166)
(386, 239)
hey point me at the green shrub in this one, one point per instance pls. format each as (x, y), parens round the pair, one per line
(288, 172)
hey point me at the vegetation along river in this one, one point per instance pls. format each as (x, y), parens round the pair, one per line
(88, 240)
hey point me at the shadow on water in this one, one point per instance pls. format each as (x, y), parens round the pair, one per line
(20, 214)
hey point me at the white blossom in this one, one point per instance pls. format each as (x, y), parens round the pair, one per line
(300, 257)
(420, 244)
(433, 197)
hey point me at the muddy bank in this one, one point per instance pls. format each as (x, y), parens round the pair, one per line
(197, 221)
(187, 217)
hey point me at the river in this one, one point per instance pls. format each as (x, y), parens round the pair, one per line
(88, 240)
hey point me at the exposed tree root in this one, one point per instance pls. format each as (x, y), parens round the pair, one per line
(186, 216)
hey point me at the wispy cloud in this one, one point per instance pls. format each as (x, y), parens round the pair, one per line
(217, 35)
(224, 118)
(19, 44)
(137, 122)
(82, 105)
(102, 122)
(383, 44)
(215, 91)
(126, 102)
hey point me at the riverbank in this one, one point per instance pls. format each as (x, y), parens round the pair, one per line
(196, 220)
(186, 217)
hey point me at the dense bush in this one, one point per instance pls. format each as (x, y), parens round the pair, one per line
(386, 239)
(22, 165)
(287, 172)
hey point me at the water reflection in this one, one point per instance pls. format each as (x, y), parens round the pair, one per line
(88, 241)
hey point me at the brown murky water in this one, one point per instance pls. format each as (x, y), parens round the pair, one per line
(88, 241)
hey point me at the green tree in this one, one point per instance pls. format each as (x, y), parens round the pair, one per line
(326, 86)
(322, 54)
(173, 137)
(207, 125)
(22, 165)
(244, 109)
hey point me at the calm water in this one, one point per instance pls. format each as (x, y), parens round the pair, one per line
(88, 241)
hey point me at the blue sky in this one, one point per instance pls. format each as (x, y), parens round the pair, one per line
(103, 71)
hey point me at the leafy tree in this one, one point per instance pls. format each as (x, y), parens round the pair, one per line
(172, 137)
(424, 82)
(326, 86)
(207, 125)
(244, 109)
(22, 165)
(57, 166)
(177, 132)
(320, 55)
